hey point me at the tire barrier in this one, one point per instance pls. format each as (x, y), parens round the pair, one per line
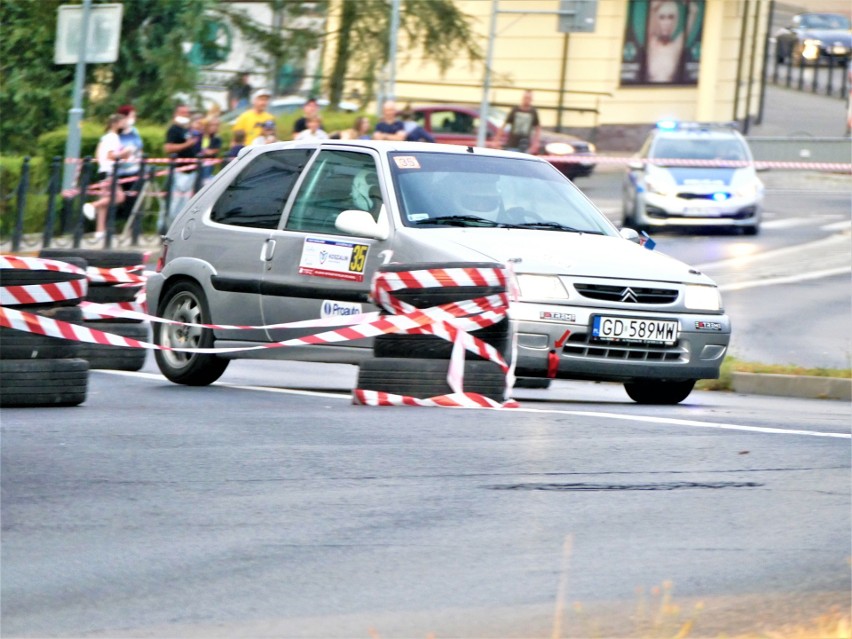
(43, 382)
(121, 342)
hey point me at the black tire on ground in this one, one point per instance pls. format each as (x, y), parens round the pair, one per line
(15, 344)
(659, 391)
(119, 358)
(424, 378)
(430, 346)
(532, 382)
(43, 382)
(28, 277)
(111, 293)
(184, 301)
(97, 257)
(754, 229)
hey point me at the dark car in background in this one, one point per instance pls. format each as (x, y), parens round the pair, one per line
(459, 124)
(811, 36)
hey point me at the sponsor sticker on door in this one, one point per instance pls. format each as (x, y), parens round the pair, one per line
(333, 259)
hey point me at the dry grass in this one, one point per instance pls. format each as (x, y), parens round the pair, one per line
(733, 365)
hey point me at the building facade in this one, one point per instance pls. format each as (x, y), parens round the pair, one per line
(644, 60)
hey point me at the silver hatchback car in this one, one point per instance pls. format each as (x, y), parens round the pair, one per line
(295, 232)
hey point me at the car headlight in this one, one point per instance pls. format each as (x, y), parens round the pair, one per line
(558, 148)
(702, 298)
(659, 184)
(810, 49)
(541, 287)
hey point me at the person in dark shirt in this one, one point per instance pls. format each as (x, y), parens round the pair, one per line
(525, 130)
(311, 110)
(181, 144)
(390, 127)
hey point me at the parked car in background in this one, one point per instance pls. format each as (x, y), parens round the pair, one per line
(291, 104)
(690, 174)
(295, 232)
(811, 36)
(459, 124)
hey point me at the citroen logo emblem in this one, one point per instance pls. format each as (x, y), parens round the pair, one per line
(627, 295)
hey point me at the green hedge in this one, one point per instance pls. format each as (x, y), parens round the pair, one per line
(36, 202)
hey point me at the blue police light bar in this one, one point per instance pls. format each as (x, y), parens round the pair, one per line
(667, 125)
(720, 196)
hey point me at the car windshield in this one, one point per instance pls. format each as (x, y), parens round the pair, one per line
(446, 189)
(825, 21)
(730, 149)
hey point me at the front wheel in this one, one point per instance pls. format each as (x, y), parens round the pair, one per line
(659, 392)
(185, 303)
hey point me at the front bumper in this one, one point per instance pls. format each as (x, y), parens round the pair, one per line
(675, 210)
(697, 354)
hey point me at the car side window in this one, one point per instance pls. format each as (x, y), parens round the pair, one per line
(257, 196)
(338, 180)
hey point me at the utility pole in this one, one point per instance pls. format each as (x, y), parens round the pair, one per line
(486, 82)
(75, 115)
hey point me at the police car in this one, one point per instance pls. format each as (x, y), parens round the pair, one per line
(690, 175)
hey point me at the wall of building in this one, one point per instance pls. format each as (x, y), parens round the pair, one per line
(581, 72)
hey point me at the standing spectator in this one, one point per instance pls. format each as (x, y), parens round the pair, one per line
(310, 110)
(525, 130)
(108, 152)
(180, 144)
(313, 132)
(239, 92)
(211, 145)
(132, 166)
(238, 142)
(390, 127)
(251, 120)
(413, 131)
(268, 135)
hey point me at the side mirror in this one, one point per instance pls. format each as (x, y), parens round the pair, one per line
(636, 165)
(629, 234)
(362, 224)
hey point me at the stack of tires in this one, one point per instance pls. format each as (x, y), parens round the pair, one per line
(416, 365)
(106, 356)
(37, 370)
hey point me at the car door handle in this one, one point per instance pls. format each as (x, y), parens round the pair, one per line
(267, 251)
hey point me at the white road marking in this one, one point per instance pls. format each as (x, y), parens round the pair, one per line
(790, 279)
(614, 416)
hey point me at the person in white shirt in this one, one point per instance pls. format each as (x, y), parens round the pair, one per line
(313, 132)
(108, 152)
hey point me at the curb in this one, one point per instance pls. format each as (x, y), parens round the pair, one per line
(808, 387)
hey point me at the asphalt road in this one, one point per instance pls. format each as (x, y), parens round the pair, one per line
(269, 506)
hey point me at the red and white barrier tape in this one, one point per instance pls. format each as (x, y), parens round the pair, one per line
(451, 321)
(841, 167)
(42, 293)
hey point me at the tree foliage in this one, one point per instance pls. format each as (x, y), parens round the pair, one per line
(37, 94)
(435, 28)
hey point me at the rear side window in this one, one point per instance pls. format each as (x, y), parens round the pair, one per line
(257, 197)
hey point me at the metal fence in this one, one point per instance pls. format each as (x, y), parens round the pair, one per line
(149, 202)
(827, 75)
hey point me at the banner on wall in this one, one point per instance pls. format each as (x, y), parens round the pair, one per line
(662, 42)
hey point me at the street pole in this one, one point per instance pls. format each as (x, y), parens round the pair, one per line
(486, 83)
(75, 115)
(394, 29)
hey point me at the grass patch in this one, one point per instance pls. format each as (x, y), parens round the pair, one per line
(733, 365)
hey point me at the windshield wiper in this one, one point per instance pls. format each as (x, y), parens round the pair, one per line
(457, 220)
(556, 226)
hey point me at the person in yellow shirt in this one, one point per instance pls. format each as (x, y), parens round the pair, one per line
(251, 121)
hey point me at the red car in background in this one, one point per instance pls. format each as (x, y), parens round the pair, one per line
(459, 124)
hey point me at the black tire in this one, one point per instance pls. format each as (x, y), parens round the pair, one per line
(754, 229)
(185, 302)
(117, 358)
(97, 257)
(541, 383)
(15, 344)
(659, 392)
(430, 346)
(424, 378)
(111, 293)
(43, 382)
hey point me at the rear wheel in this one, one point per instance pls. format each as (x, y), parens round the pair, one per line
(659, 392)
(185, 302)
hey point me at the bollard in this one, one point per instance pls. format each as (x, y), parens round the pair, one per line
(23, 187)
(163, 223)
(53, 188)
(79, 220)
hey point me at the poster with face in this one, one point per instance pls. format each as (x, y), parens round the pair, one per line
(662, 42)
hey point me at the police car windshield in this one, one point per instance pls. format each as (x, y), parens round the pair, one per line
(705, 148)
